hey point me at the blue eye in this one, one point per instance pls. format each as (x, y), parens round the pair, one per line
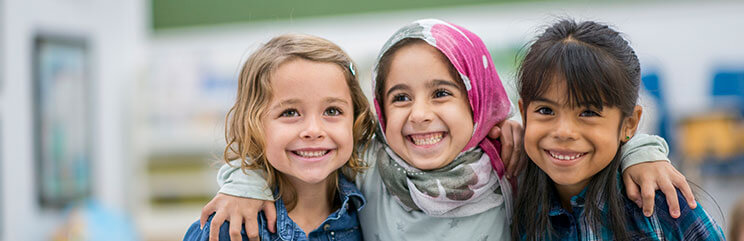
(289, 113)
(333, 111)
(588, 113)
(544, 111)
(441, 93)
(400, 97)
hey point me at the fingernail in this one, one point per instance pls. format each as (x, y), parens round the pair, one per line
(675, 213)
(647, 213)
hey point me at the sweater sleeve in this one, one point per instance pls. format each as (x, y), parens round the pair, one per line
(248, 184)
(643, 148)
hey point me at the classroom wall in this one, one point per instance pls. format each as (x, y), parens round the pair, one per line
(115, 33)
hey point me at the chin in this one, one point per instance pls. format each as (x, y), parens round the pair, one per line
(312, 179)
(427, 164)
(564, 179)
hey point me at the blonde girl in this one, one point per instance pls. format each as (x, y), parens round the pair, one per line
(298, 117)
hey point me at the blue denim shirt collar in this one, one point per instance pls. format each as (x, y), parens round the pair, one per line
(348, 195)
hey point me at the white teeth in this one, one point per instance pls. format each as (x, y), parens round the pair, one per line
(310, 153)
(426, 139)
(566, 158)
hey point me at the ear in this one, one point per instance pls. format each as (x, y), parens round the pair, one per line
(521, 111)
(630, 125)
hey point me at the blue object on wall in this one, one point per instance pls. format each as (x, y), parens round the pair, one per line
(729, 83)
(652, 83)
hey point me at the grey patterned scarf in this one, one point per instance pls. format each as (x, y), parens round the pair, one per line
(466, 186)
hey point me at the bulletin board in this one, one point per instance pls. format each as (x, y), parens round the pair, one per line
(62, 119)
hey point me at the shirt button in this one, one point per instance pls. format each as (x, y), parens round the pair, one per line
(326, 227)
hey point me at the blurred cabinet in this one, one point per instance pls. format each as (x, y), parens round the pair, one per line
(179, 136)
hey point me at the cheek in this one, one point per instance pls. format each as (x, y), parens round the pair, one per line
(531, 139)
(394, 120)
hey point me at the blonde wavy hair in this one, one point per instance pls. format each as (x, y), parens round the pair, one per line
(244, 132)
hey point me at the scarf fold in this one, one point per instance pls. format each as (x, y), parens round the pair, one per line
(474, 182)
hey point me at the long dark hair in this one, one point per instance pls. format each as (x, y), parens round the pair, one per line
(600, 69)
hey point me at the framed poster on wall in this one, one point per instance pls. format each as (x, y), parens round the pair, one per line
(62, 119)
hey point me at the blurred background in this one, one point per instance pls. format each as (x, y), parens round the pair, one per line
(112, 112)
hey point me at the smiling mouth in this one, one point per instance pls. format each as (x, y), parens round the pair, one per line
(565, 156)
(426, 139)
(311, 154)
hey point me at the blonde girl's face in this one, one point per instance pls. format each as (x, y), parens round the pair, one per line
(572, 144)
(428, 118)
(308, 124)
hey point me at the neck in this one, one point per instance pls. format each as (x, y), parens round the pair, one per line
(313, 204)
(566, 192)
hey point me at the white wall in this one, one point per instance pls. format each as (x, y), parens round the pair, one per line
(115, 32)
(685, 41)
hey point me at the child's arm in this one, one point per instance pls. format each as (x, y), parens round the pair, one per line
(645, 164)
(242, 195)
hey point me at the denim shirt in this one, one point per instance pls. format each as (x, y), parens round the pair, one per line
(343, 224)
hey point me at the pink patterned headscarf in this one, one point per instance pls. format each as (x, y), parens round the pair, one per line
(469, 55)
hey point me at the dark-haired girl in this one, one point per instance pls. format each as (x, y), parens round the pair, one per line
(579, 85)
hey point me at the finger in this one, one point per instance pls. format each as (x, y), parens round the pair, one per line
(517, 136)
(214, 227)
(671, 197)
(684, 187)
(648, 193)
(205, 213)
(631, 189)
(251, 228)
(507, 148)
(495, 132)
(235, 227)
(270, 212)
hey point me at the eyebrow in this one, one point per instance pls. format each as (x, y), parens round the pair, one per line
(397, 87)
(439, 82)
(331, 100)
(285, 103)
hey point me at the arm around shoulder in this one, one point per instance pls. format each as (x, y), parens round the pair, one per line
(643, 148)
(249, 184)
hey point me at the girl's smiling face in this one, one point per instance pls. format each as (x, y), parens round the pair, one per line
(428, 119)
(572, 143)
(308, 123)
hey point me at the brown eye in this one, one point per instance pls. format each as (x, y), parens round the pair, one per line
(441, 93)
(289, 113)
(332, 111)
(400, 97)
(544, 111)
(589, 113)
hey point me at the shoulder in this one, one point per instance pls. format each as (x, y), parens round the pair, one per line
(350, 193)
(692, 224)
(195, 233)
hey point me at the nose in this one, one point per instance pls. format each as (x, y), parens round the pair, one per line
(313, 129)
(565, 129)
(421, 112)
